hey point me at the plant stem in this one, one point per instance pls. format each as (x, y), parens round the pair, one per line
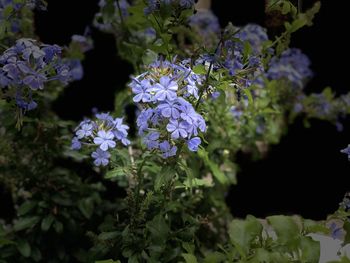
(207, 76)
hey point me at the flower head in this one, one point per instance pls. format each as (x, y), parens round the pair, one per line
(105, 140)
(171, 89)
(102, 133)
(165, 89)
(101, 157)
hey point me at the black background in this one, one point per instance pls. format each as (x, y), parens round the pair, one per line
(305, 174)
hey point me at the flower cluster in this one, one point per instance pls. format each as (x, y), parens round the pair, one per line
(27, 66)
(231, 54)
(102, 134)
(155, 5)
(166, 94)
(255, 35)
(205, 23)
(292, 65)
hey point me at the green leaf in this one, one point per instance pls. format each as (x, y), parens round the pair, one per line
(27, 222)
(164, 178)
(346, 227)
(247, 49)
(149, 56)
(199, 69)
(26, 207)
(116, 172)
(310, 14)
(285, 8)
(214, 257)
(297, 24)
(285, 227)
(218, 174)
(189, 247)
(310, 250)
(120, 100)
(195, 182)
(24, 248)
(243, 232)
(311, 226)
(7, 11)
(158, 229)
(189, 258)
(108, 261)
(261, 255)
(47, 222)
(36, 254)
(58, 226)
(64, 201)
(5, 242)
(108, 235)
(86, 207)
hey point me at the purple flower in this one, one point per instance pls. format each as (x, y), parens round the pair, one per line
(141, 89)
(186, 3)
(4, 80)
(76, 144)
(151, 140)
(101, 157)
(336, 232)
(298, 107)
(120, 127)
(188, 113)
(120, 131)
(104, 116)
(76, 69)
(85, 131)
(236, 112)
(293, 65)
(165, 108)
(215, 95)
(143, 118)
(35, 81)
(192, 88)
(105, 132)
(63, 73)
(84, 43)
(51, 51)
(255, 35)
(205, 22)
(152, 5)
(33, 51)
(12, 71)
(27, 104)
(166, 89)
(167, 150)
(193, 144)
(177, 129)
(169, 109)
(105, 140)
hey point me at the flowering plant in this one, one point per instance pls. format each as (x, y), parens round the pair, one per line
(201, 94)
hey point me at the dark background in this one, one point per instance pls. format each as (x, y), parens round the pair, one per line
(305, 174)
